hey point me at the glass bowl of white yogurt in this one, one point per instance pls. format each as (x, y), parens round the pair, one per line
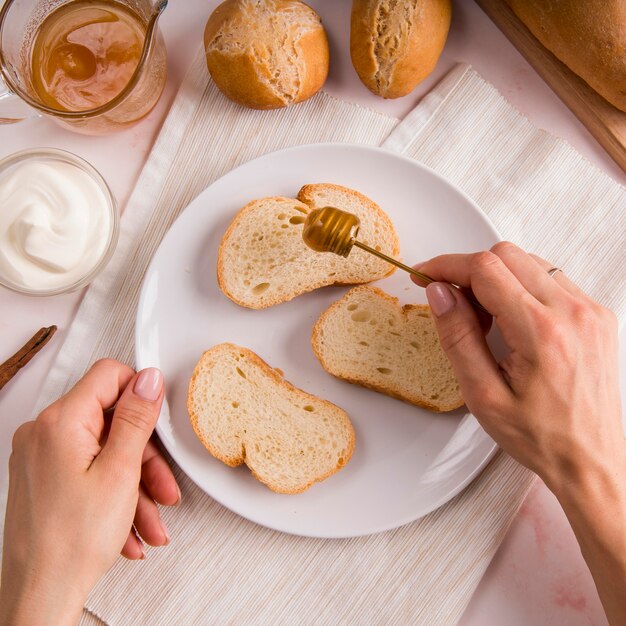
(58, 222)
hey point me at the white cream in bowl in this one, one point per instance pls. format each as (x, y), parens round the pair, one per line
(58, 222)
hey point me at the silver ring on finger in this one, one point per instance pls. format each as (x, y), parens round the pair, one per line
(553, 271)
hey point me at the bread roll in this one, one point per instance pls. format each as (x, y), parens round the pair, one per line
(395, 45)
(589, 36)
(266, 54)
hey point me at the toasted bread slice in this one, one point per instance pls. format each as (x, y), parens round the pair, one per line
(243, 411)
(368, 339)
(262, 259)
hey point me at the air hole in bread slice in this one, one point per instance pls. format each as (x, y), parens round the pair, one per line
(352, 307)
(384, 370)
(361, 316)
(308, 408)
(240, 372)
(260, 288)
(296, 219)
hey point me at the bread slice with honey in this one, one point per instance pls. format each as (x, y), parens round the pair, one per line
(243, 411)
(262, 259)
(368, 339)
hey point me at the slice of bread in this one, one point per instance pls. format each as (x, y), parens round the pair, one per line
(262, 259)
(243, 411)
(368, 339)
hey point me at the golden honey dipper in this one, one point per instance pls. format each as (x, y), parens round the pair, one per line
(332, 230)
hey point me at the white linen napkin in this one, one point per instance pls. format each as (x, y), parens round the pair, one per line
(221, 568)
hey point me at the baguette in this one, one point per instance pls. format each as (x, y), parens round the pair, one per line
(263, 261)
(395, 44)
(243, 411)
(368, 339)
(589, 36)
(266, 55)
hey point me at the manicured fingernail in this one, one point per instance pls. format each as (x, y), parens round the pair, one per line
(149, 384)
(143, 554)
(440, 298)
(180, 495)
(165, 532)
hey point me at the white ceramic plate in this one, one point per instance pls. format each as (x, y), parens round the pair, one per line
(407, 461)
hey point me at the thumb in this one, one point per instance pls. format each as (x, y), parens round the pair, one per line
(135, 416)
(463, 341)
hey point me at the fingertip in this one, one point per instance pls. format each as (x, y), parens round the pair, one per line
(113, 369)
(133, 549)
(113, 365)
(157, 477)
(172, 497)
(416, 279)
(148, 522)
(169, 496)
(166, 533)
(149, 384)
(441, 298)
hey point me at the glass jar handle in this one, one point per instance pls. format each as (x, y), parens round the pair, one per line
(12, 108)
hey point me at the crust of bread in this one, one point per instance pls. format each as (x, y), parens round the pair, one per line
(278, 378)
(314, 48)
(315, 343)
(588, 36)
(395, 46)
(238, 44)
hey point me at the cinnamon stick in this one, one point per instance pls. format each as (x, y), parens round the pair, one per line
(13, 365)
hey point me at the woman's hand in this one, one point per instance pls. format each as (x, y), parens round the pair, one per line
(553, 402)
(81, 479)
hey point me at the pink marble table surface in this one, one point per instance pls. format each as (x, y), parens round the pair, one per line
(537, 576)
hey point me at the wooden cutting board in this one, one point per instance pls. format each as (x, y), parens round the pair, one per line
(606, 123)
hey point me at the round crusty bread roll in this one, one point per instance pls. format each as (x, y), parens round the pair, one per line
(395, 44)
(266, 54)
(589, 37)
